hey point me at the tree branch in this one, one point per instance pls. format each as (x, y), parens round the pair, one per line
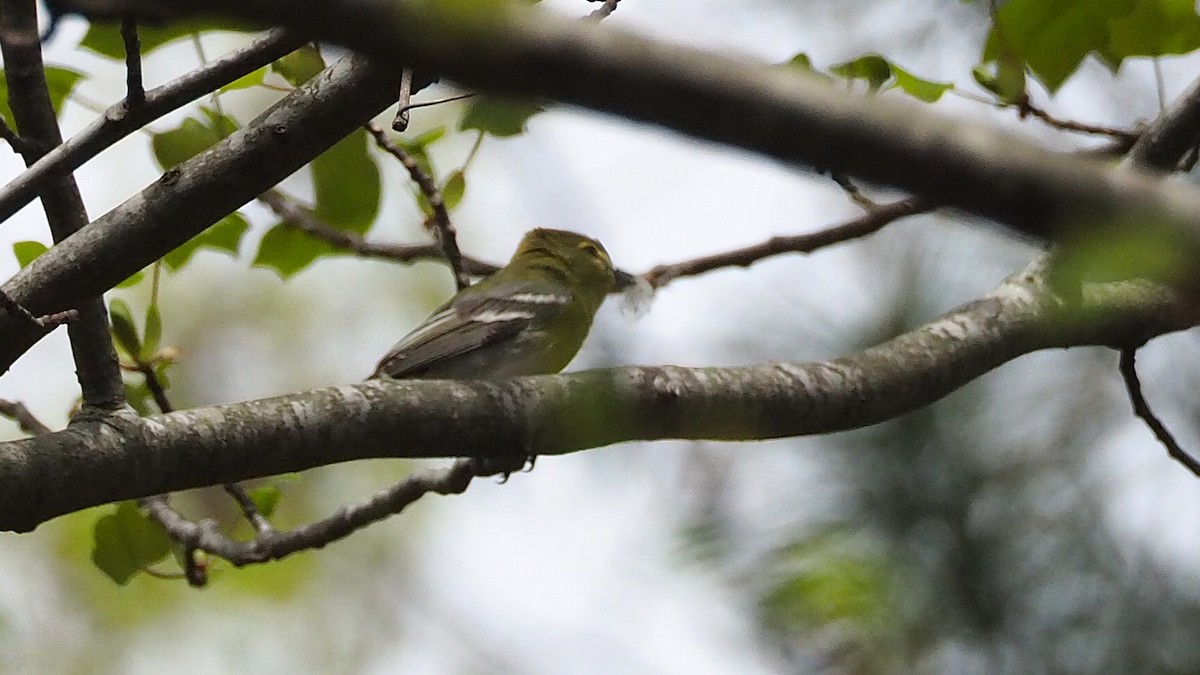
(124, 456)
(29, 98)
(773, 110)
(195, 194)
(120, 120)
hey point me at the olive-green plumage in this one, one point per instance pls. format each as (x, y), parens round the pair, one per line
(528, 318)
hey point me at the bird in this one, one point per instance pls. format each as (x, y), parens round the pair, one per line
(530, 317)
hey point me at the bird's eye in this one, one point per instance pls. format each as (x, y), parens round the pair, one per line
(591, 249)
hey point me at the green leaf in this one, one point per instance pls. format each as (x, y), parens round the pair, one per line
(1053, 38)
(126, 542)
(59, 84)
(453, 189)
(872, 69)
(138, 396)
(132, 281)
(191, 138)
(287, 250)
(27, 251)
(105, 38)
(346, 183)
(123, 327)
(300, 66)
(1155, 28)
(251, 79)
(266, 498)
(225, 235)
(153, 336)
(1007, 82)
(500, 117)
(920, 89)
(803, 63)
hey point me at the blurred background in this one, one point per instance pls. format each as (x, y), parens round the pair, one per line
(1026, 524)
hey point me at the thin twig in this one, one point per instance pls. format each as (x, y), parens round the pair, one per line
(403, 100)
(18, 310)
(605, 9)
(135, 92)
(14, 141)
(440, 101)
(870, 222)
(206, 536)
(262, 526)
(300, 217)
(440, 220)
(1026, 108)
(856, 195)
(17, 412)
(1142, 409)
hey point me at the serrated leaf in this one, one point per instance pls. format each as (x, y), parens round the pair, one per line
(499, 116)
(126, 542)
(60, 82)
(105, 38)
(287, 250)
(300, 66)
(27, 251)
(266, 498)
(453, 189)
(251, 79)
(153, 337)
(346, 184)
(225, 235)
(1155, 28)
(1053, 38)
(123, 327)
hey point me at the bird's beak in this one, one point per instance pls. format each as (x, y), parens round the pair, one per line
(623, 280)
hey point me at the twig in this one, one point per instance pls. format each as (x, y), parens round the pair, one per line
(1142, 409)
(605, 9)
(14, 141)
(120, 120)
(16, 411)
(250, 511)
(856, 195)
(135, 93)
(1026, 108)
(868, 223)
(403, 100)
(440, 101)
(297, 216)
(440, 221)
(274, 545)
(18, 310)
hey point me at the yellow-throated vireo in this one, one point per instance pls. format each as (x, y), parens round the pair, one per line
(528, 318)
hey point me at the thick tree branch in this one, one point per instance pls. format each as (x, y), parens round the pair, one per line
(124, 456)
(119, 120)
(29, 98)
(195, 194)
(772, 110)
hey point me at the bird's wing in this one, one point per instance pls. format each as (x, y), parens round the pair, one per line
(469, 324)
